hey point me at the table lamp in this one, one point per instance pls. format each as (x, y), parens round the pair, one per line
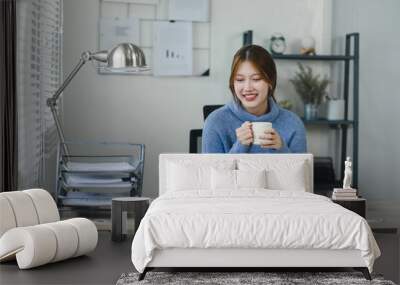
(123, 58)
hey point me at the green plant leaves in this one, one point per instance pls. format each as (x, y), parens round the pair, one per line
(311, 88)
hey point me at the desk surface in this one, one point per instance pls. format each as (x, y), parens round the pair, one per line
(130, 199)
(349, 199)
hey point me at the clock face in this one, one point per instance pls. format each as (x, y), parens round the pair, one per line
(278, 44)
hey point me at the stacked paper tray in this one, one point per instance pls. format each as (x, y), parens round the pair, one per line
(99, 174)
(86, 199)
(101, 167)
(97, 170)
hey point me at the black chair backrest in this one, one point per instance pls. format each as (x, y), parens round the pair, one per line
(194, 136)
(208, 109)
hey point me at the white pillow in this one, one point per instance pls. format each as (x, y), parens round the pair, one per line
(223, 179)
(281, 174)
(251, 178)
(292, 179)
(187, 174)
(237, 179)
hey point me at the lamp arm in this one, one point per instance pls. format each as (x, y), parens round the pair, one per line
(52, 101)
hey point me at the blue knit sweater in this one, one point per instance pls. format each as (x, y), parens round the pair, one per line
(219, 132)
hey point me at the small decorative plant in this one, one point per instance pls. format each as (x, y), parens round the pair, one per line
(311, 88)
(286, 104)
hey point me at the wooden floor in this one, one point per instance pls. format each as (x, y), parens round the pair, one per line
(111, 259)
(102, 266)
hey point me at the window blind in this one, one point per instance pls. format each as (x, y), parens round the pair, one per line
(39, 73)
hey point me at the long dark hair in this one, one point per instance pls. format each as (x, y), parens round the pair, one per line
(261, 60)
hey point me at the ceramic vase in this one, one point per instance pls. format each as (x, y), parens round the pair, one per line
(310, 112)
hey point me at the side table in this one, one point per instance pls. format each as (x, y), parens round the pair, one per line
(356, 205)
(119, 214)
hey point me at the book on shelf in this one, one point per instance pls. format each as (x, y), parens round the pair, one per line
(344, 196)
(347, 190)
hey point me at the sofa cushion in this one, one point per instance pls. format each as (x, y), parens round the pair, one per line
(45, 206)
(26, 208)
(67, 240)
(7, 220)
(32, 246)
(23, 208)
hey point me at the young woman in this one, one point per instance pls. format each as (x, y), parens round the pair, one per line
(252, 83)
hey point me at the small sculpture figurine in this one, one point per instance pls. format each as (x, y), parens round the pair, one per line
(348, 174)
(308, 46)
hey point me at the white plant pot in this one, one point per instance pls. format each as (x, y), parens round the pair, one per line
(335, 109)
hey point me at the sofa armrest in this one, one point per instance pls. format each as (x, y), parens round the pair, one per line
(40, 244)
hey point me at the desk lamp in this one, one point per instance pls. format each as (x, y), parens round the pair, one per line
(123, 58)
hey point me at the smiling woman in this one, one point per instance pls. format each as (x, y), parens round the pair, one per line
(252, 83)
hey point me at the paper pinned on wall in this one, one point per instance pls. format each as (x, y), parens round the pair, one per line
(172, 48)
(118, 30)
(189, 10)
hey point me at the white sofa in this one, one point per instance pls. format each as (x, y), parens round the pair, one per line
(31, 230)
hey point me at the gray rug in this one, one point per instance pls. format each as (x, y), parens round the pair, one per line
(243, 278)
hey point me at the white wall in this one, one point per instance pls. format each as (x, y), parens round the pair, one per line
(378, 24)
(159, 112)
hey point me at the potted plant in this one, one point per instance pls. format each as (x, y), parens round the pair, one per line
(311, 88)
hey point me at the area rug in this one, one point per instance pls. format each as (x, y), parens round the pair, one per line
(244, 278)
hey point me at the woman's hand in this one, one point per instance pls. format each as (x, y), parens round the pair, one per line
(244, 134)
(271, 139)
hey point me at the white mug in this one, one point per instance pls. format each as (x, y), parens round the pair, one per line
(258, 130)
